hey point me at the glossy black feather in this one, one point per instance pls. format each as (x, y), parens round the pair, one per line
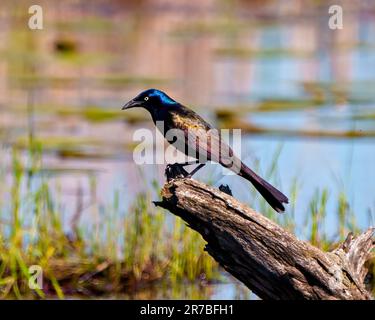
(195, 129)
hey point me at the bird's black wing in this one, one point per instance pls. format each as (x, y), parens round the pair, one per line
(203, 142)
(193, 131)
(185, 118)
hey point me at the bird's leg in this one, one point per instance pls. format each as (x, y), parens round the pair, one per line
(195, 170)
(189, 163)
(175, 170)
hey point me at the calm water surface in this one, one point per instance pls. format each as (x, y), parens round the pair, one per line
(207, 59)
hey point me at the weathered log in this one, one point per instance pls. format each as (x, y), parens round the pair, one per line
(269, 260)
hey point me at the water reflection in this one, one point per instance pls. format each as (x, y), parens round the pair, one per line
(207, 54)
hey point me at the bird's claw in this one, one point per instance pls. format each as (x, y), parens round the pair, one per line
(176, 171)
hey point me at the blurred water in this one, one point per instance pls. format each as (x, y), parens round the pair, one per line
(207, 59)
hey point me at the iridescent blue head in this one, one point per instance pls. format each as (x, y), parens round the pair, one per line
(151, 99)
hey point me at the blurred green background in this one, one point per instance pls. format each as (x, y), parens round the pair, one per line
(73, 201)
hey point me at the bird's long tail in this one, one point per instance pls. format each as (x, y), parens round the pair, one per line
(273, 196)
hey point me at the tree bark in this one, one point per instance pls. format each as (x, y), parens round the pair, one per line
(269, 260)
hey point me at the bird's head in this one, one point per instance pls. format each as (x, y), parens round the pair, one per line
(151, 99)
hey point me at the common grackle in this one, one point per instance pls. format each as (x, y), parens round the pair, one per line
(195, 130)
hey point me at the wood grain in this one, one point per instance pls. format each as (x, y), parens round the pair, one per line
(269, 260)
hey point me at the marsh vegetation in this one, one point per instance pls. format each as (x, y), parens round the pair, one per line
(73, 201)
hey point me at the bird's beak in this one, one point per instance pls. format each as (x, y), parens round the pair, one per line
(131, 104)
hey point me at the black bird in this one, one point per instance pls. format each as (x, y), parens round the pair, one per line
(176, 116)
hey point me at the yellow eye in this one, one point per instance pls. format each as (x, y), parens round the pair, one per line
(146, 98)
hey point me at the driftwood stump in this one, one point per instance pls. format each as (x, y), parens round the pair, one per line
(270, 261)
